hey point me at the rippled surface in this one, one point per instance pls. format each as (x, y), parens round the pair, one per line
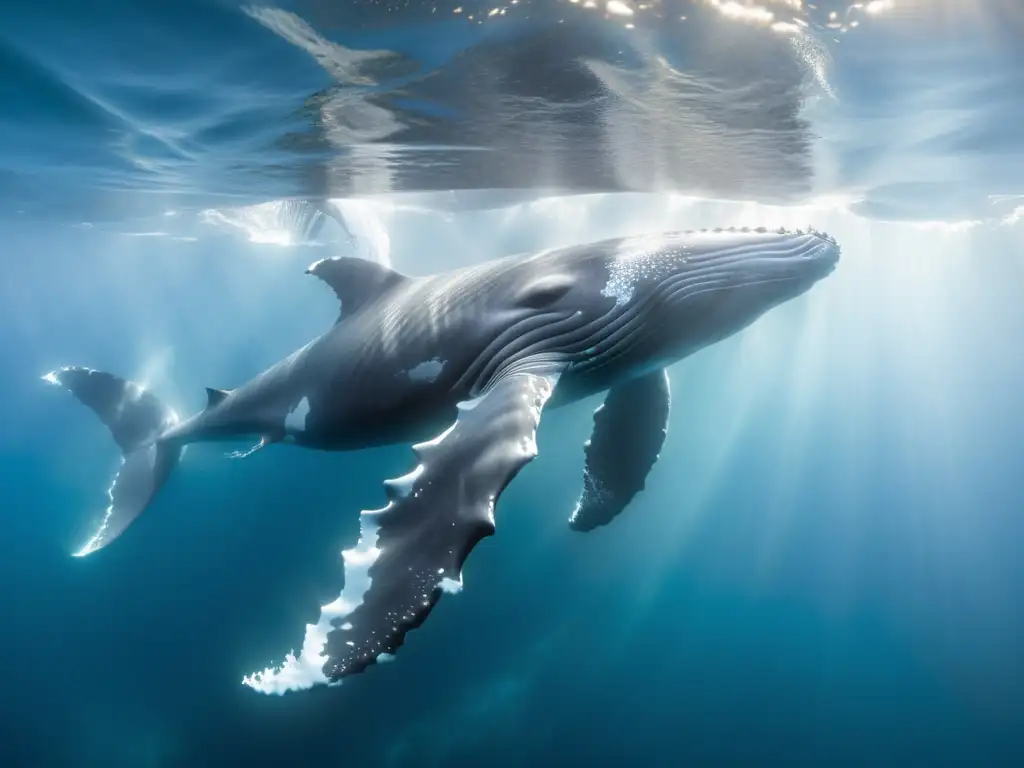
(827, 564)
(117, 110)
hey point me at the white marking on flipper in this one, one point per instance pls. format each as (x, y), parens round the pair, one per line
(470, 470)
(306, 669)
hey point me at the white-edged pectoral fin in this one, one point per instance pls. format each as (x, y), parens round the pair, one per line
(412, 550)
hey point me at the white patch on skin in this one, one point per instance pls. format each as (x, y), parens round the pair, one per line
(427, 371)
(650, 260)
(296, 418)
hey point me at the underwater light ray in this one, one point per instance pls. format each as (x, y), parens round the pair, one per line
(848, 369)
(939, 275)
(696, 490)
(804, 385)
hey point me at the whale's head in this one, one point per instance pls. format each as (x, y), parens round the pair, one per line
(695, 288)
(716, 283)
(651, 299)
(616, 307)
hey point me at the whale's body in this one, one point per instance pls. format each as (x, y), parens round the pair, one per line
(470, 356)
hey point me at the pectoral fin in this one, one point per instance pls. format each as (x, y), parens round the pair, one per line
(629, 431)
(413, 549)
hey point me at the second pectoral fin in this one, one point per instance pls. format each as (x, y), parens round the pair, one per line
(629, 431)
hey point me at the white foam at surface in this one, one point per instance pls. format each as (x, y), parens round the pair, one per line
(260, 223)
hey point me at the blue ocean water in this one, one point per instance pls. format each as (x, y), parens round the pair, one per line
(826, 565)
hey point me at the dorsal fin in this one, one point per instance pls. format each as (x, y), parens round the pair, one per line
(355, 281)
(215, 396)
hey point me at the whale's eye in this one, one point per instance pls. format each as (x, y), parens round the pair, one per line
(545, 291)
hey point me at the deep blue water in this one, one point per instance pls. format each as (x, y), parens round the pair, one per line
(826, 566)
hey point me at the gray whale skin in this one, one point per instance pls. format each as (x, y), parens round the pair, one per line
(462, 364)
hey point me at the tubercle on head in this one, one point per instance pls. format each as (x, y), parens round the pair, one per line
(762, 231)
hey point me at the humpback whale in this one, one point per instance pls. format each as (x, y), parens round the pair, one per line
(461, 365)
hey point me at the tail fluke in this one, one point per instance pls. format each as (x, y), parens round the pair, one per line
(136, 419)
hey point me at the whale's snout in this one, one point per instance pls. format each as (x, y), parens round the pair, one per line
(790, 261)
(798, 259)
(822, 253)
(725, 279)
